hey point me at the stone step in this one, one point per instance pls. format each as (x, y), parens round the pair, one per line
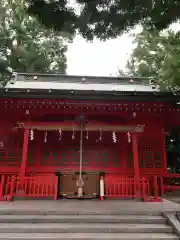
(82, 219)
(83, 211)
(88, 236)
(84, 228)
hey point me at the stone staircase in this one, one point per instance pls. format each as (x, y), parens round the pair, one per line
(53, 226)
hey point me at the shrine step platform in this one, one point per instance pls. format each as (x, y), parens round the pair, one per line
(93, 220)
(86, 207)
(89, 236)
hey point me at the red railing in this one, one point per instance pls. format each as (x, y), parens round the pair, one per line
(169, 182)
(2, 182)
(150, 188)
(160, 184)
(43, 186)
(126, 187)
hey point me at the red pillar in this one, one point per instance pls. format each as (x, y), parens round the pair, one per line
(24, 155)
(136, 162)
(163, 145)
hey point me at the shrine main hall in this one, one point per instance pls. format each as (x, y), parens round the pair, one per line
(85, 137)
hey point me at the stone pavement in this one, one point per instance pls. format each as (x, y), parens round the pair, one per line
(173, 199)
(88, 206)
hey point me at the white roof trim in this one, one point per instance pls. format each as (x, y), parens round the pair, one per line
(77, 86)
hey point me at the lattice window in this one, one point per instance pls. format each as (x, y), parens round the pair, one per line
(65, 153)
(10, 156)
(45, 158)
(10, 150)
(150, 152)
(129, 156)
(93, 158)
(30, 156)
(87, 157)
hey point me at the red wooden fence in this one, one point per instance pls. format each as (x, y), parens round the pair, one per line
(126, 187)
(42, 186)
(169, 182)
(116, 186)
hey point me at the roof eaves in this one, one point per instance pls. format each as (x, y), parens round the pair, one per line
(86, 95)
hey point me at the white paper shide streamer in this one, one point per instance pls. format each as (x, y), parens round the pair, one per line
(31, 134)
(73, 134)
(60, 134)
(129, 137)
(45, 137)
(114, 137)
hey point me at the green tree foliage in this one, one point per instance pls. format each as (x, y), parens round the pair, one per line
(25, 45)
(157, 55)
(105, 18)
(173, 150)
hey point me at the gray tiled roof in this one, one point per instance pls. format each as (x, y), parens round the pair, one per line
(84, 83)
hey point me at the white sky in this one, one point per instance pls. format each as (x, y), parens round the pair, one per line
(99, 58)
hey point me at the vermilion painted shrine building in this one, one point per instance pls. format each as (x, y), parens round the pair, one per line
(73, 136)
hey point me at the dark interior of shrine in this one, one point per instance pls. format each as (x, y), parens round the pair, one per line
(62, 149)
